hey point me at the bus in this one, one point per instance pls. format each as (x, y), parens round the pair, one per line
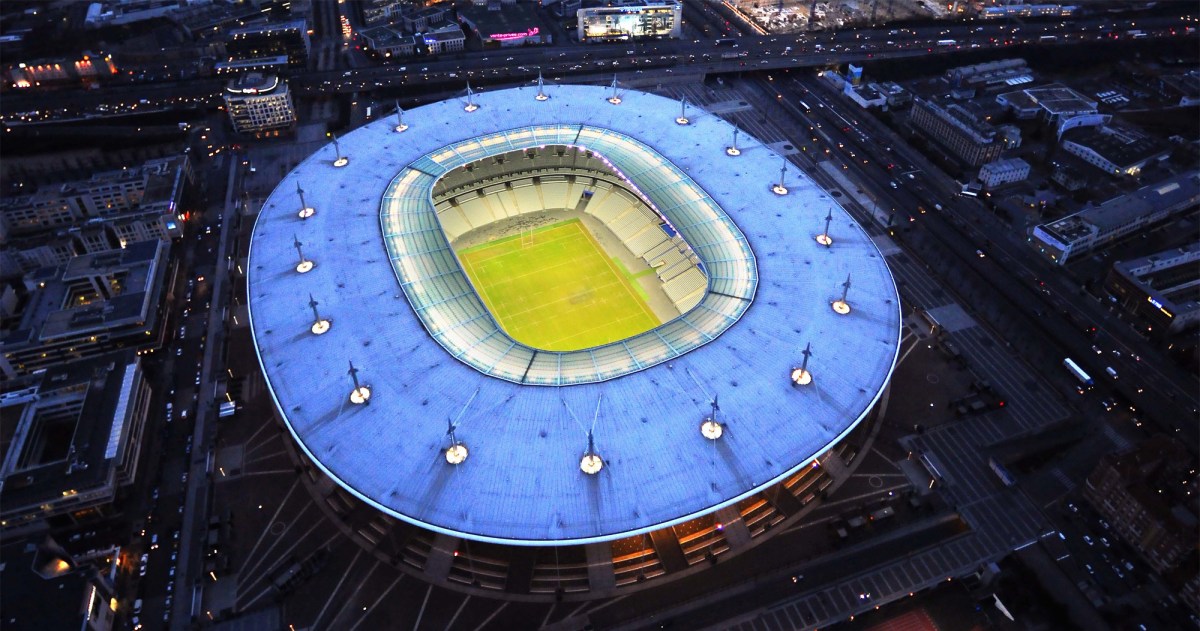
(947, 42)
(726, 41)
(804, 106)
(1084, 378)
(1005, 477)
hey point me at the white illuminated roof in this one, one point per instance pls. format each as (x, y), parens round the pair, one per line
(522, 482)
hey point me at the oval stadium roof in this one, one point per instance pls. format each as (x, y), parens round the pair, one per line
(522, 483)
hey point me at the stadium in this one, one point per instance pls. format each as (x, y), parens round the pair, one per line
(563, 342)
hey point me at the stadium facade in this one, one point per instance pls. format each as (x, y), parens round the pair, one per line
(467, 457)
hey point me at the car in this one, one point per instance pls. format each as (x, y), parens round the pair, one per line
(184, 477)
(174, 555)
(980, 254)
(1072, 507)
(893, 184)
(1104, 540)
(1104, 524)
(154, 541)
(1128, 566)
(154, 494)
(1088, 540)
(175, 535)
(197, 379)
(171, 571)
(1096, 350)
(1090, 569)
(179, 352)
(137, 606)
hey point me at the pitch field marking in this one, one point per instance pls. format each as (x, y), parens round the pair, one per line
(480, 264)
(624, 282)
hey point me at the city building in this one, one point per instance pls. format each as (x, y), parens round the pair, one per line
(993, 73)
(122, 12)
(1182, 89)
(423, 19)
(1000, 172)
(105, 212)
(1028, 10)
(611, 468)
(1053, 103)
(388, 41)
(73, 439)
(563, 8)
(1114, 150)
(505, 24)
(87, 69)
(1080, 233)
(624, 23)
(895, 94)
(267, 65)
(1160, 289)
(94, 304)
(448, 39)
(1141, 493)
(376, 12)
(269, 40)
(972, 141)
(259, 104)
(46, 587)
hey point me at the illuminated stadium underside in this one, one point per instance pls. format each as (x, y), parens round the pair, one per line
(466, 444)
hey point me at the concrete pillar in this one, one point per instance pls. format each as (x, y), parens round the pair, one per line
(600, 567)
(441, 557)
(737, 534)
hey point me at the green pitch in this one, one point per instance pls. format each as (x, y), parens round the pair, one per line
(554, 289)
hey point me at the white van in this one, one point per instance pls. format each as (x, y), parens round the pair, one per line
(1111, 373)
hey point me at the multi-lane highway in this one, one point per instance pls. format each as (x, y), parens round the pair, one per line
(421, 76)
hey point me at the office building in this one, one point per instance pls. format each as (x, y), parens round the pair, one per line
(377, 12)
(1080, 233)
(625, 23)
(505, 24)
(94, 304)
(47, 587)
(1143, 494)
(448, 39)
(423, 19)
(105, 212)
(963, 135)
(73, 436)
(268, 40)
(1054, 103)
(1002, 172)
(1162, 289)
(259, 104)
(1114, 150)
(388, 41)
(267, 65)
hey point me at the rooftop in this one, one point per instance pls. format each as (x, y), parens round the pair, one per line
(1121, 147)
(1182, 189)
(1058, 99)
(522, 482)
(62, 429)
(255, 83)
